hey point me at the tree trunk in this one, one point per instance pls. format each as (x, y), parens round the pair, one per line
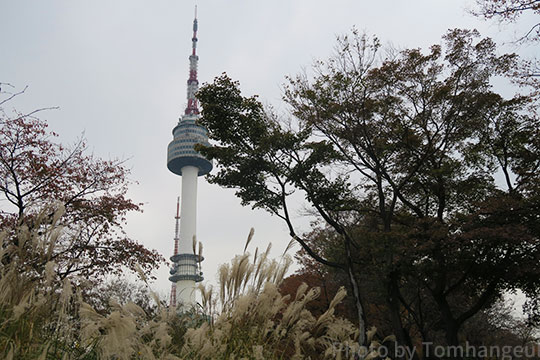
(451, 325)
(392, 298)
(356, 294)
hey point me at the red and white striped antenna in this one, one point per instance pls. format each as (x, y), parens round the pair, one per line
(193, 83)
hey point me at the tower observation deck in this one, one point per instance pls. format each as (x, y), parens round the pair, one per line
(184, 160)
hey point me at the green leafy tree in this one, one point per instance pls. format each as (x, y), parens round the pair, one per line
(397, 157)
(267, 163)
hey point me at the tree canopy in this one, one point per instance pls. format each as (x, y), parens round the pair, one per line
(421, 173)
(510, 11)
(36, 171)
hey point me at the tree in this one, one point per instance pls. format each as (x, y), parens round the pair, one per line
(397, 157)
(122, 291)
(510, 11)
(36, 171)
(498, 326)
(266, 163)
(426, 133)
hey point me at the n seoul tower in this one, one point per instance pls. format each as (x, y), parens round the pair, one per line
(184, 160)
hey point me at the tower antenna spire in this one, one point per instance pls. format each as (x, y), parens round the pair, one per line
(193, 83)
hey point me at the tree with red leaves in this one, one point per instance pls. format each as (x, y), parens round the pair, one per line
(37, 172)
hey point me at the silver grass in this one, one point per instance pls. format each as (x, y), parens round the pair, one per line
(245, 317)
(249, 238)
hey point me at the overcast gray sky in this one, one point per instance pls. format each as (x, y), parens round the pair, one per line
(118, 69)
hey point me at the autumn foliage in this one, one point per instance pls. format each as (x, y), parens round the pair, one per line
(422, 176)
(35, 171)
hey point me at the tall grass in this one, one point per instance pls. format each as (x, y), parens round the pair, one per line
(250, 318)
(243, 317)
(36, 308)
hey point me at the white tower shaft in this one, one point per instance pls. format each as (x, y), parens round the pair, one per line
(185, 289)
(188, 209)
